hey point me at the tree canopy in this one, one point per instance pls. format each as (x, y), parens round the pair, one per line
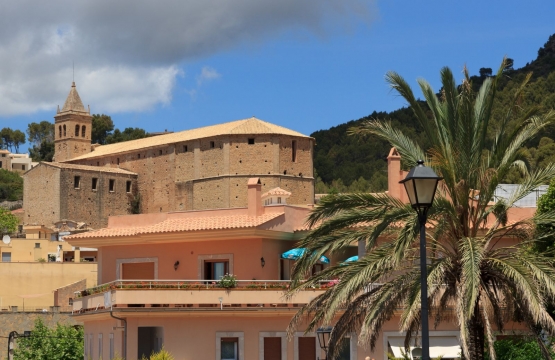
(64, 342)
(11, 186)
(475, 278)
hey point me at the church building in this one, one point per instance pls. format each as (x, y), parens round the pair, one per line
(198, 169)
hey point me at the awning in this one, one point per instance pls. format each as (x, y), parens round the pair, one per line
(446, 346)
(295, 254)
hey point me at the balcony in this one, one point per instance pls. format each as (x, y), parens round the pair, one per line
(194, 294)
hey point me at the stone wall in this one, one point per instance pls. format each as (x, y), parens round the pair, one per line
(94, 206)
(41, 195)
(212, 172)
(24, 321)
(63, 297)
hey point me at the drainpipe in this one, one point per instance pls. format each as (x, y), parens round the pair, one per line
(124, 350)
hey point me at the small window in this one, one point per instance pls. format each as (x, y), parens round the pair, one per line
(77, 182)
(94, 183)
(98, 163)
(112, 185)
(294, 151)
(212, 144)
(65, 130)
(184, 148)
(100, 350)
(279, 200)
(138, 156)
(70, 300)
(159, 152)
(60, 131)
(128, 186)
(37, 245)
(83, 130)
(117, 160)
(229, 349)
(22, 167)
(76, 130)
(251, 141)
(6, 257)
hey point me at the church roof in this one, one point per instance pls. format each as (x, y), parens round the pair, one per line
(73, 101)
(250, 126)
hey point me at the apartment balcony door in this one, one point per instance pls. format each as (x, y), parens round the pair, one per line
(215, 270)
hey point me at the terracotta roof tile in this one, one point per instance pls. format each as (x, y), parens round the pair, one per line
(182, 225)
(101, 169)
(240, 127)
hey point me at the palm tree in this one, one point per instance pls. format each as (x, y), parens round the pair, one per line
(475, 277)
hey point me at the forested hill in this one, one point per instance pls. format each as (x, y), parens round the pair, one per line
(347, 163)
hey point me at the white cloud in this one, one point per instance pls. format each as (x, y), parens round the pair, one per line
(127, 53)
(207, 74)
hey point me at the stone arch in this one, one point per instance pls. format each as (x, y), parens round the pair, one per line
(83, 130)
(76, 130)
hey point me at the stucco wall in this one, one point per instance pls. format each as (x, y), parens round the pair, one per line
(40, 280)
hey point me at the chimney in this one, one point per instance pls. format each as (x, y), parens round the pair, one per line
(394, 173)
(254, 197)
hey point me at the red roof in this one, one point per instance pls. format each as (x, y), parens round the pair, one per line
(182, 225)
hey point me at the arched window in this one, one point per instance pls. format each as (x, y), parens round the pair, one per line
(60, 131)
(77, 130)
(64, 130)
(83, 130)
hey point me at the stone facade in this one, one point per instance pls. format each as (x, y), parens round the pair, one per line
(80, 193)
(63, 297)
(212, 173)
(24, 321)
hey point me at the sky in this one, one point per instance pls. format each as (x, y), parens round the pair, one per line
(302, 64)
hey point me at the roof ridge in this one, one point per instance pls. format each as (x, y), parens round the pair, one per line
(237, 127)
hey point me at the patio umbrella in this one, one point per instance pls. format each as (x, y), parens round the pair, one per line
(295, 254)
(351, 259)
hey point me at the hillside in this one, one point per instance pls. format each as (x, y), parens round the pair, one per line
(346, 163)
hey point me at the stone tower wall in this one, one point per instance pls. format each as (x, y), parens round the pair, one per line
(68, 144)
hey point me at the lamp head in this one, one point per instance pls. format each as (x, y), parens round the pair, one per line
(421, 185)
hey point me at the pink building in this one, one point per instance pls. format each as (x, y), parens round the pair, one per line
(160, 273)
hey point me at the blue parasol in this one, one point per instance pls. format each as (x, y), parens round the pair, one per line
(351, 259)
(295, 254)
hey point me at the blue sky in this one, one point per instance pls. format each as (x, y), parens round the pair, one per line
(305, 73)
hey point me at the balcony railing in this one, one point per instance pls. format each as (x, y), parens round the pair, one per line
(193, 294)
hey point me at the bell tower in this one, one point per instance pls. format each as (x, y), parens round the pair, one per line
(72, 127)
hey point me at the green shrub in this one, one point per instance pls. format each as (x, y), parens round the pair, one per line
(228, 281)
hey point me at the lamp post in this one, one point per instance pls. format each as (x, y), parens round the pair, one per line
(421, 184)
(323, 334)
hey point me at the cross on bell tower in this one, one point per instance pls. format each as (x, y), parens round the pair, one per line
(72, 127)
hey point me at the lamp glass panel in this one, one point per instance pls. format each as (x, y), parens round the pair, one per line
(409, 187)
(425, 189)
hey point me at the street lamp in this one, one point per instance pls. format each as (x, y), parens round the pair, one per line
(421, 184)
(324, 338)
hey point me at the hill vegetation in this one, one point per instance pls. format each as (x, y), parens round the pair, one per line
(346, 163)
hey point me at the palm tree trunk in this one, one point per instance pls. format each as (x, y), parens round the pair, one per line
(477, 339)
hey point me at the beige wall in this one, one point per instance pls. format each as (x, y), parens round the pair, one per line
(189, 336)
(42, 279)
